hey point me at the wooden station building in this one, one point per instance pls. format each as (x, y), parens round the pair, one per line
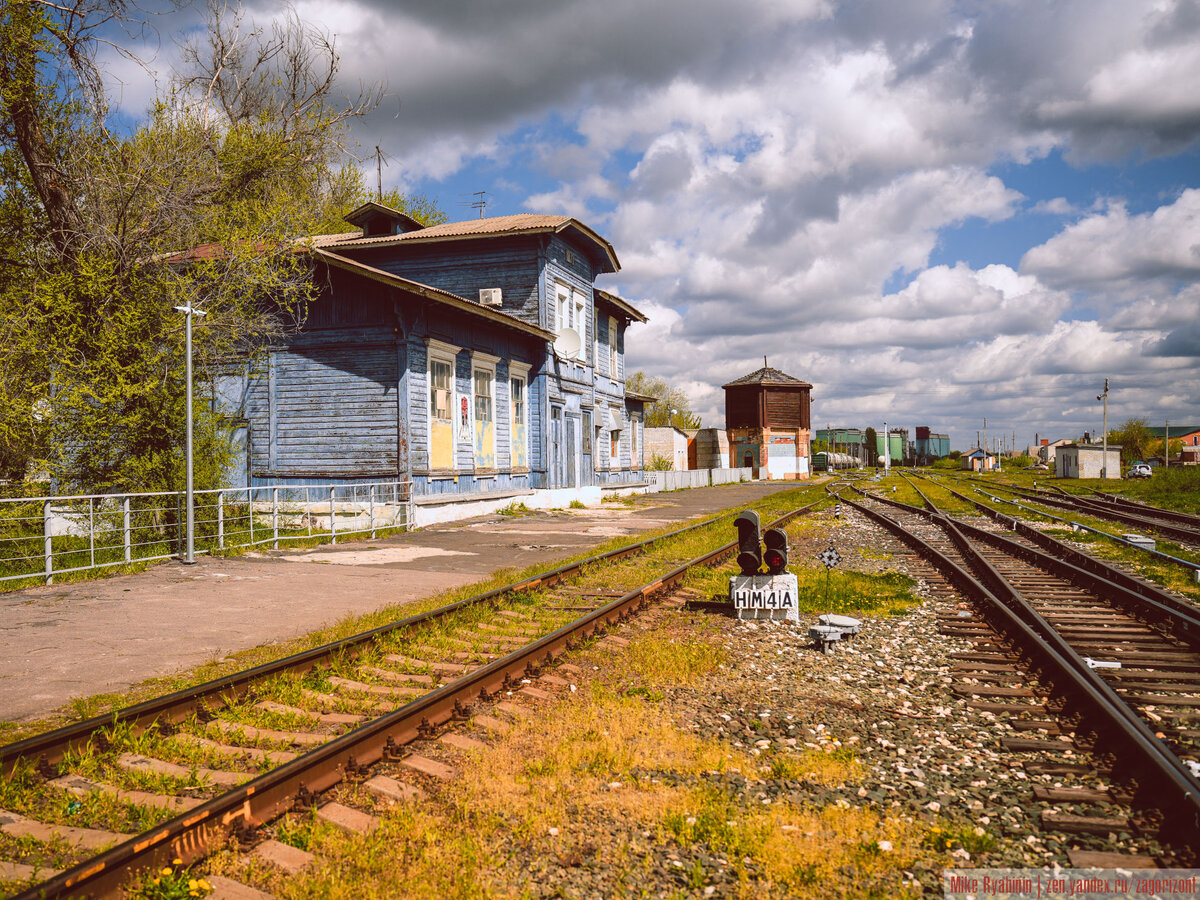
(471, 358)
(767, 419)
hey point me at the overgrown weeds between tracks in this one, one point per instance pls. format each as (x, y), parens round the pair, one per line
(613, 782)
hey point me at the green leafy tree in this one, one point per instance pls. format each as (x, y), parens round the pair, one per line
(1136, 440)
(205, 203)
(871, 442)
(671, 405)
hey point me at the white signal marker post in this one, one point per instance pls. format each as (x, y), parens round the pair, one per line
(189, 557)
(755, 595)
(765, 597)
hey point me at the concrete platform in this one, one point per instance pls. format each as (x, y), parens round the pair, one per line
(76, 640)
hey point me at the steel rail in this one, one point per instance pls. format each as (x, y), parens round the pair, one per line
(1144, 589)
(189, 835)
(1157, 512)
(1165, 782)
(1105, 511)
(1194, 567)
(1141, 598)
(50, 747)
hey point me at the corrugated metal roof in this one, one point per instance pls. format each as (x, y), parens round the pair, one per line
(767, 375)
(496, 226)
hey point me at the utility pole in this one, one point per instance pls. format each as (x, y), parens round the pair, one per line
(1104, 464)
(983, 464)
(1166, 443)
(887, 452)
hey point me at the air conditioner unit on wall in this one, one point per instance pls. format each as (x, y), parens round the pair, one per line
(490, 296)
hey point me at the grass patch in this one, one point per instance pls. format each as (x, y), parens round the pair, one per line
(845, 591)
(515, 509)
(835, 851)
(173, 882)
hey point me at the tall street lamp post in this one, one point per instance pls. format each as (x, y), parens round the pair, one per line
(1104, 465)
(189, 557)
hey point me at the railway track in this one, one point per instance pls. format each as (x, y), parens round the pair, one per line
(1177, 526)
(253, 745)
(1192, 567)
(1115, 658)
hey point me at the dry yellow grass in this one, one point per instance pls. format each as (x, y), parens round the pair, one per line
(581, 787)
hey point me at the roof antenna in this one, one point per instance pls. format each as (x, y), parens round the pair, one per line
(480, 202)
(765, 366)
(379, 164)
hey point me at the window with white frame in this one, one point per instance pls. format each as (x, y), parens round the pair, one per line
(612, 347)
(563, 308)
(483, 384)
(570, 312)
(441, 358)
(518, 402)
(581, 318)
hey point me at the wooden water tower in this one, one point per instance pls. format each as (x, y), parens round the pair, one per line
(767, 421)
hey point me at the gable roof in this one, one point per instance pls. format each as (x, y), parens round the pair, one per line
(767, 375)
(374, 211)
(623, 305)
(639, 397)
(496, 226)
(437, 295)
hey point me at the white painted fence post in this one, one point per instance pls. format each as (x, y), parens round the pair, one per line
(371, 509)
(92, 532)
(332, 525)
(127, 533)
(275, 518)
(250, 506)
(220, 520)
(49, 542)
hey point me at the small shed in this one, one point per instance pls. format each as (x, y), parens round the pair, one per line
(667, 442)
(978, 460)
(1087, 461)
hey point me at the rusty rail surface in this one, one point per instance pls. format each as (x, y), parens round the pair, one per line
(1165, 782)
(190, 835)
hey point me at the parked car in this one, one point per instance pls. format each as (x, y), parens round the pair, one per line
(1139, 470)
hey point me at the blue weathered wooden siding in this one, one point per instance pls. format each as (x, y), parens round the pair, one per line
(348, 399)
(465, 267)
(332, 410)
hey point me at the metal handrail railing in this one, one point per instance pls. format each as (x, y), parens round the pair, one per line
(80, 532)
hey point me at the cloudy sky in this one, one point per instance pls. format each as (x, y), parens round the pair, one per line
(935, 211)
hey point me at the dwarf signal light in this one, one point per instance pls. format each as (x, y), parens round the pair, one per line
(776, 555)
(749, 542)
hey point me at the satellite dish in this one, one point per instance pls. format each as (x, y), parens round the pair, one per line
(568, 343)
